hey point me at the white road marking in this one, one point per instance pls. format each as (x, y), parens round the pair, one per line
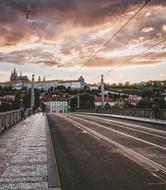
(133, 125)
(124, 150)
(124, 126)
(124, 134)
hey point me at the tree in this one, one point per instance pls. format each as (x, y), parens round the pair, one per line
(37, 98)
(17, 102)
(5, 107)
(27, 100)
(127, 84)
(73, 104)
(144, 104)
(86, 101)
(120, 85)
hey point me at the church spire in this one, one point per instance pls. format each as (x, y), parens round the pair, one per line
(14, 77)
(39, 79)
(14, 70)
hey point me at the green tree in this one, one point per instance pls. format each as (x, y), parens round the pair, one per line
(73, 103)
(144, 104)
(86, 101)
(17, 102)
(27, 100)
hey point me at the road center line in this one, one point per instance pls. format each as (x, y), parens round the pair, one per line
(124, 134)
(124, 126)
(124, 150)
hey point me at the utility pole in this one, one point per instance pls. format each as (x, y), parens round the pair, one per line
(69, 106)
(78, 101)
(32, 93)
(102, 91)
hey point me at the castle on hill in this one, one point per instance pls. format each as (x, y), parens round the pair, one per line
(22, 82)
(15, 77)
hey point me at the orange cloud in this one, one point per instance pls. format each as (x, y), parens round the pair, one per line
(67, 32)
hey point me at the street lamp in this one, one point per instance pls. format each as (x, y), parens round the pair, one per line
(32, 93)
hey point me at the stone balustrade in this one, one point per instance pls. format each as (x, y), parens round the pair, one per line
(8, 119)
(136, 112)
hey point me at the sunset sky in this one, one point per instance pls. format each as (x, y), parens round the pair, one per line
(61, 35)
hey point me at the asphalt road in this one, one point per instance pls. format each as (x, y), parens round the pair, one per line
(98, 153)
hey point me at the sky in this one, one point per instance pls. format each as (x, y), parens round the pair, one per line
(60, 36)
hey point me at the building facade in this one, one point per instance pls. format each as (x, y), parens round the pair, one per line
(56, 104)
(22, 82)
(73, 84)
(107, 101)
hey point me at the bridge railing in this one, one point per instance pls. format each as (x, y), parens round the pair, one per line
(136, 112)
(8, 119)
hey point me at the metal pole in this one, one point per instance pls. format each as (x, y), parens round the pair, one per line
(32, 93)
(69, 106)
(102, 91)
(78, 101)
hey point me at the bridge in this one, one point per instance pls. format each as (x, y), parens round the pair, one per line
(81, 150)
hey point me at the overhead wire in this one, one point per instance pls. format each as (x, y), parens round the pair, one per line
(127, 62)
(108, 41)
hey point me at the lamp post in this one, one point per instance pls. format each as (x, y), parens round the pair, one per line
(102, 91)
(78, 101)
(32, 93)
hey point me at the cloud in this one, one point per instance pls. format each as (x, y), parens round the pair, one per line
(149, 29)
(151, 58)
(67, 33)
(164, 28)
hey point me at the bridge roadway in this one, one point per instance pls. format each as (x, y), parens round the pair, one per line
(92, 153)
(103, 153)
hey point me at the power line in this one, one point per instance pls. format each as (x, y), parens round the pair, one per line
(107, 42)
(138, 55)
(127, 62)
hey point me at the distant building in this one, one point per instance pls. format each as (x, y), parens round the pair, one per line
(14, 77)
(93, 87)
(45, 85)
(142, 84)
(107, 101)
(7, 99)
(73, 84)
(22, 82)
(56, 104)
(164, 96)
(133, 99)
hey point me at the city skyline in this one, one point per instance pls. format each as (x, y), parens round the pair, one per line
(58, 38)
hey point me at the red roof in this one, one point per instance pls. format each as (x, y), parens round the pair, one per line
(47, 81)
(98, 99)
(14, 82)
(53, 98)
(6, 99)
(69, 81)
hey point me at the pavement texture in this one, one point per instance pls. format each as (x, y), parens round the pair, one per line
(24, 155)
(95, 154)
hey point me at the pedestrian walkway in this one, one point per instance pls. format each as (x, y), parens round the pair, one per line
(25, 156)
(143, 119)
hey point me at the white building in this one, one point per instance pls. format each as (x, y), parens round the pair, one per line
(56, 104)
(45, 85)
(73, 84)
(93, 87)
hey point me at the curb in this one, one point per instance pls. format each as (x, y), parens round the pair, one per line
(53, 174)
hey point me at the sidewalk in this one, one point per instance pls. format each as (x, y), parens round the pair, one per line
(143, 119)
(25, 156)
